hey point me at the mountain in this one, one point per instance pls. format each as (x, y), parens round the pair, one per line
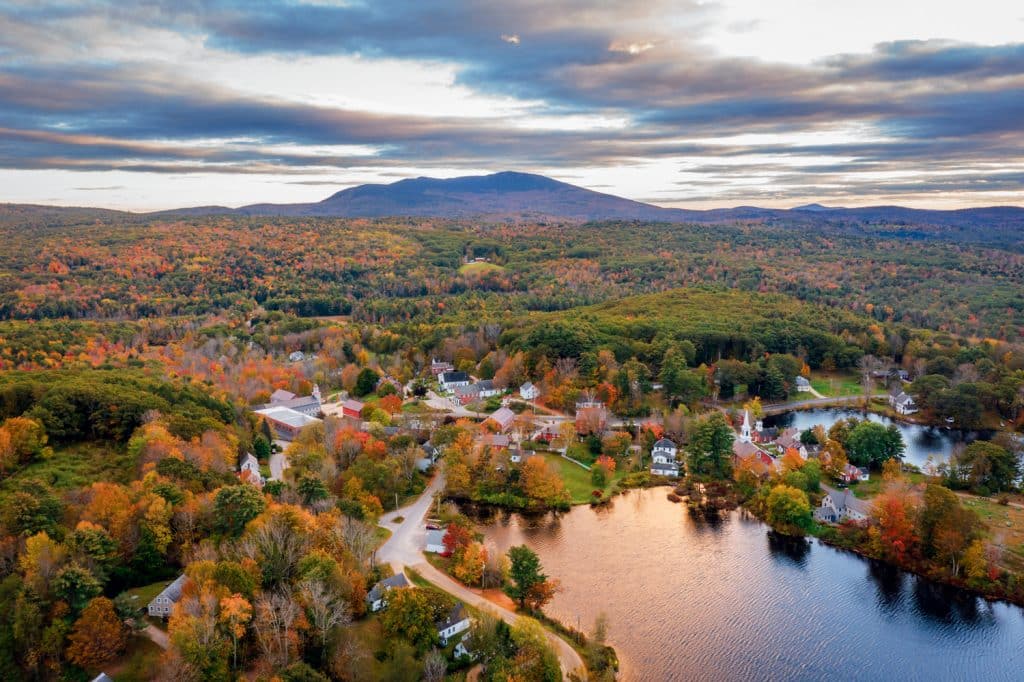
(510, 195)
(501, 195)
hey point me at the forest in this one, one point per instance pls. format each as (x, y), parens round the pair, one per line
(392, 271)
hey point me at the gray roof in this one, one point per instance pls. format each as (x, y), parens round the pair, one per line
(173, 591)
(449, 377)
(802, 381)
(527, 386)
(294, 403)
(436, 537)
(397, 580)
(281, 394)
(503, 416)
(844, 499)
(287, 415)
(665, 443)
(456, 615)
(486, 384)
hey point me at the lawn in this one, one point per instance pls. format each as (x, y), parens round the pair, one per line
(836, 385)
(865, 490)
(479, 268)
(576, 478)
(139, 662)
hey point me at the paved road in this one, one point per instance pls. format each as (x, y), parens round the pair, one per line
(405, 548)
(278, 463)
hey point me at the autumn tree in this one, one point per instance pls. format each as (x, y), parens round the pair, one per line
(97, 636)
(788, 509)
(235, 614)
(237, 505)
(892, 532)
(469, 567)
(541, 482)
(530, 586)
(411, 615)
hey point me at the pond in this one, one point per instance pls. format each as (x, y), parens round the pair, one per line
(727, 599)
(921, 441)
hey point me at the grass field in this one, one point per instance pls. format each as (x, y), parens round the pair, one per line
(479, 268)
(836, 385)
(576, 478)
(75, 466)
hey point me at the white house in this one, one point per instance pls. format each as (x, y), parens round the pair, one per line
(449, 380)
(803, 385)
(663, 459)
(851, 473)
(164, 602)
(903, 403)
(296, 356)
(529, 392)
(250, 464)
(435, 540)
(429, 458)
(456, 622)
(840, 505)
(376, 598)
(487, 388)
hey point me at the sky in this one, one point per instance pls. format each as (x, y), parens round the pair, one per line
(687, 103)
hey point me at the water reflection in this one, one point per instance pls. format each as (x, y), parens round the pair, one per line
(729, 591)
(921, 441)
(889, 582)
(789, 550)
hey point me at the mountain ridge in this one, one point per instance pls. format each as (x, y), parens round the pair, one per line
(514, 195)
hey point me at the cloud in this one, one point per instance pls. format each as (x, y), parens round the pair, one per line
(123, 87)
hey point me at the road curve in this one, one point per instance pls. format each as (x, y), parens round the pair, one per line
(405, 548)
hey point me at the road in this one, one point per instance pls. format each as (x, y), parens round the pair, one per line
(405, 548)
(278, 463)
(158, 636)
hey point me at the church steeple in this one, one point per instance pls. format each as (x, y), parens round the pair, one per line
(745, 436)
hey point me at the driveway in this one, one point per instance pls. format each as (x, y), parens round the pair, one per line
(405, 548)
(278, 463)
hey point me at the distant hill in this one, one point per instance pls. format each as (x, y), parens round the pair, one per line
(501, 195)
(515, 196)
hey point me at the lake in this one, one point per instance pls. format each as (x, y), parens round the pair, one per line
(690, 599)
(921, 441)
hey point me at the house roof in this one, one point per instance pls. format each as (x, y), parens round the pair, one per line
(250, 460)
(802, 381)
(288, 416)
(472, 389)
(451, 377)
(173, 591)
(742, 449)
(294, 403)
(436, 537)
(844, 499)
(496, 440)
(456, 615)
(280, 395)
(395, 581)
(665, 443)
(352, 404)
(503, 416)
(526, 387)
